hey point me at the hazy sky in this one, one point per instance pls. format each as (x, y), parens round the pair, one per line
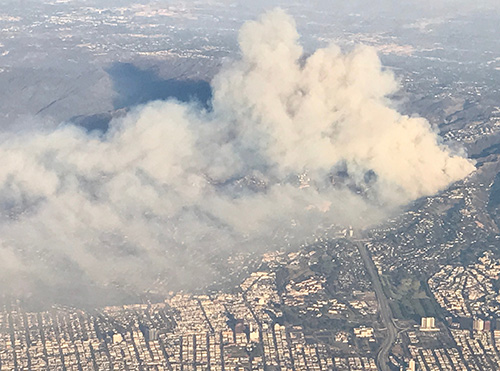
(362, 6)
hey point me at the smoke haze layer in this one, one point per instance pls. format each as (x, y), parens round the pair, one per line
(292, 146)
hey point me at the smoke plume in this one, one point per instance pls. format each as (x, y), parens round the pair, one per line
(292, 146)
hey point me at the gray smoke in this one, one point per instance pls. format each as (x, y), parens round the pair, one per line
(291, 147)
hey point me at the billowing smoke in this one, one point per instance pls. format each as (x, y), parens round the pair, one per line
(292, 146)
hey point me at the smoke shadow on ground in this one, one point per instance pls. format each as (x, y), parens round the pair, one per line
(135, 86)
(95, 123)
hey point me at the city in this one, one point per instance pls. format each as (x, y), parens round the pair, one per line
(114, 258)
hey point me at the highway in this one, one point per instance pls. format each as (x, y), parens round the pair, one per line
(385, 310)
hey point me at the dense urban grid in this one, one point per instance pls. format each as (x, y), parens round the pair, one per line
(240, 331)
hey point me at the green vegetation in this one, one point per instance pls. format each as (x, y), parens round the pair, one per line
(409, 298)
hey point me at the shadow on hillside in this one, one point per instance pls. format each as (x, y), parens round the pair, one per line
(134, 86)
(137, 86)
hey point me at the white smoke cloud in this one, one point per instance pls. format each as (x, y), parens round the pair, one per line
(291, 147)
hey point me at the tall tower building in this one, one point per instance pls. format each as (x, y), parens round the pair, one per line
(428, 324)
(478, 325)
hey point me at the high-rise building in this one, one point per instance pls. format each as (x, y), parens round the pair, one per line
(478, 325)
(150, 334)
(428, 324)
(117, 338)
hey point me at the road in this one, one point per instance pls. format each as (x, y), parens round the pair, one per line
(385, 310)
